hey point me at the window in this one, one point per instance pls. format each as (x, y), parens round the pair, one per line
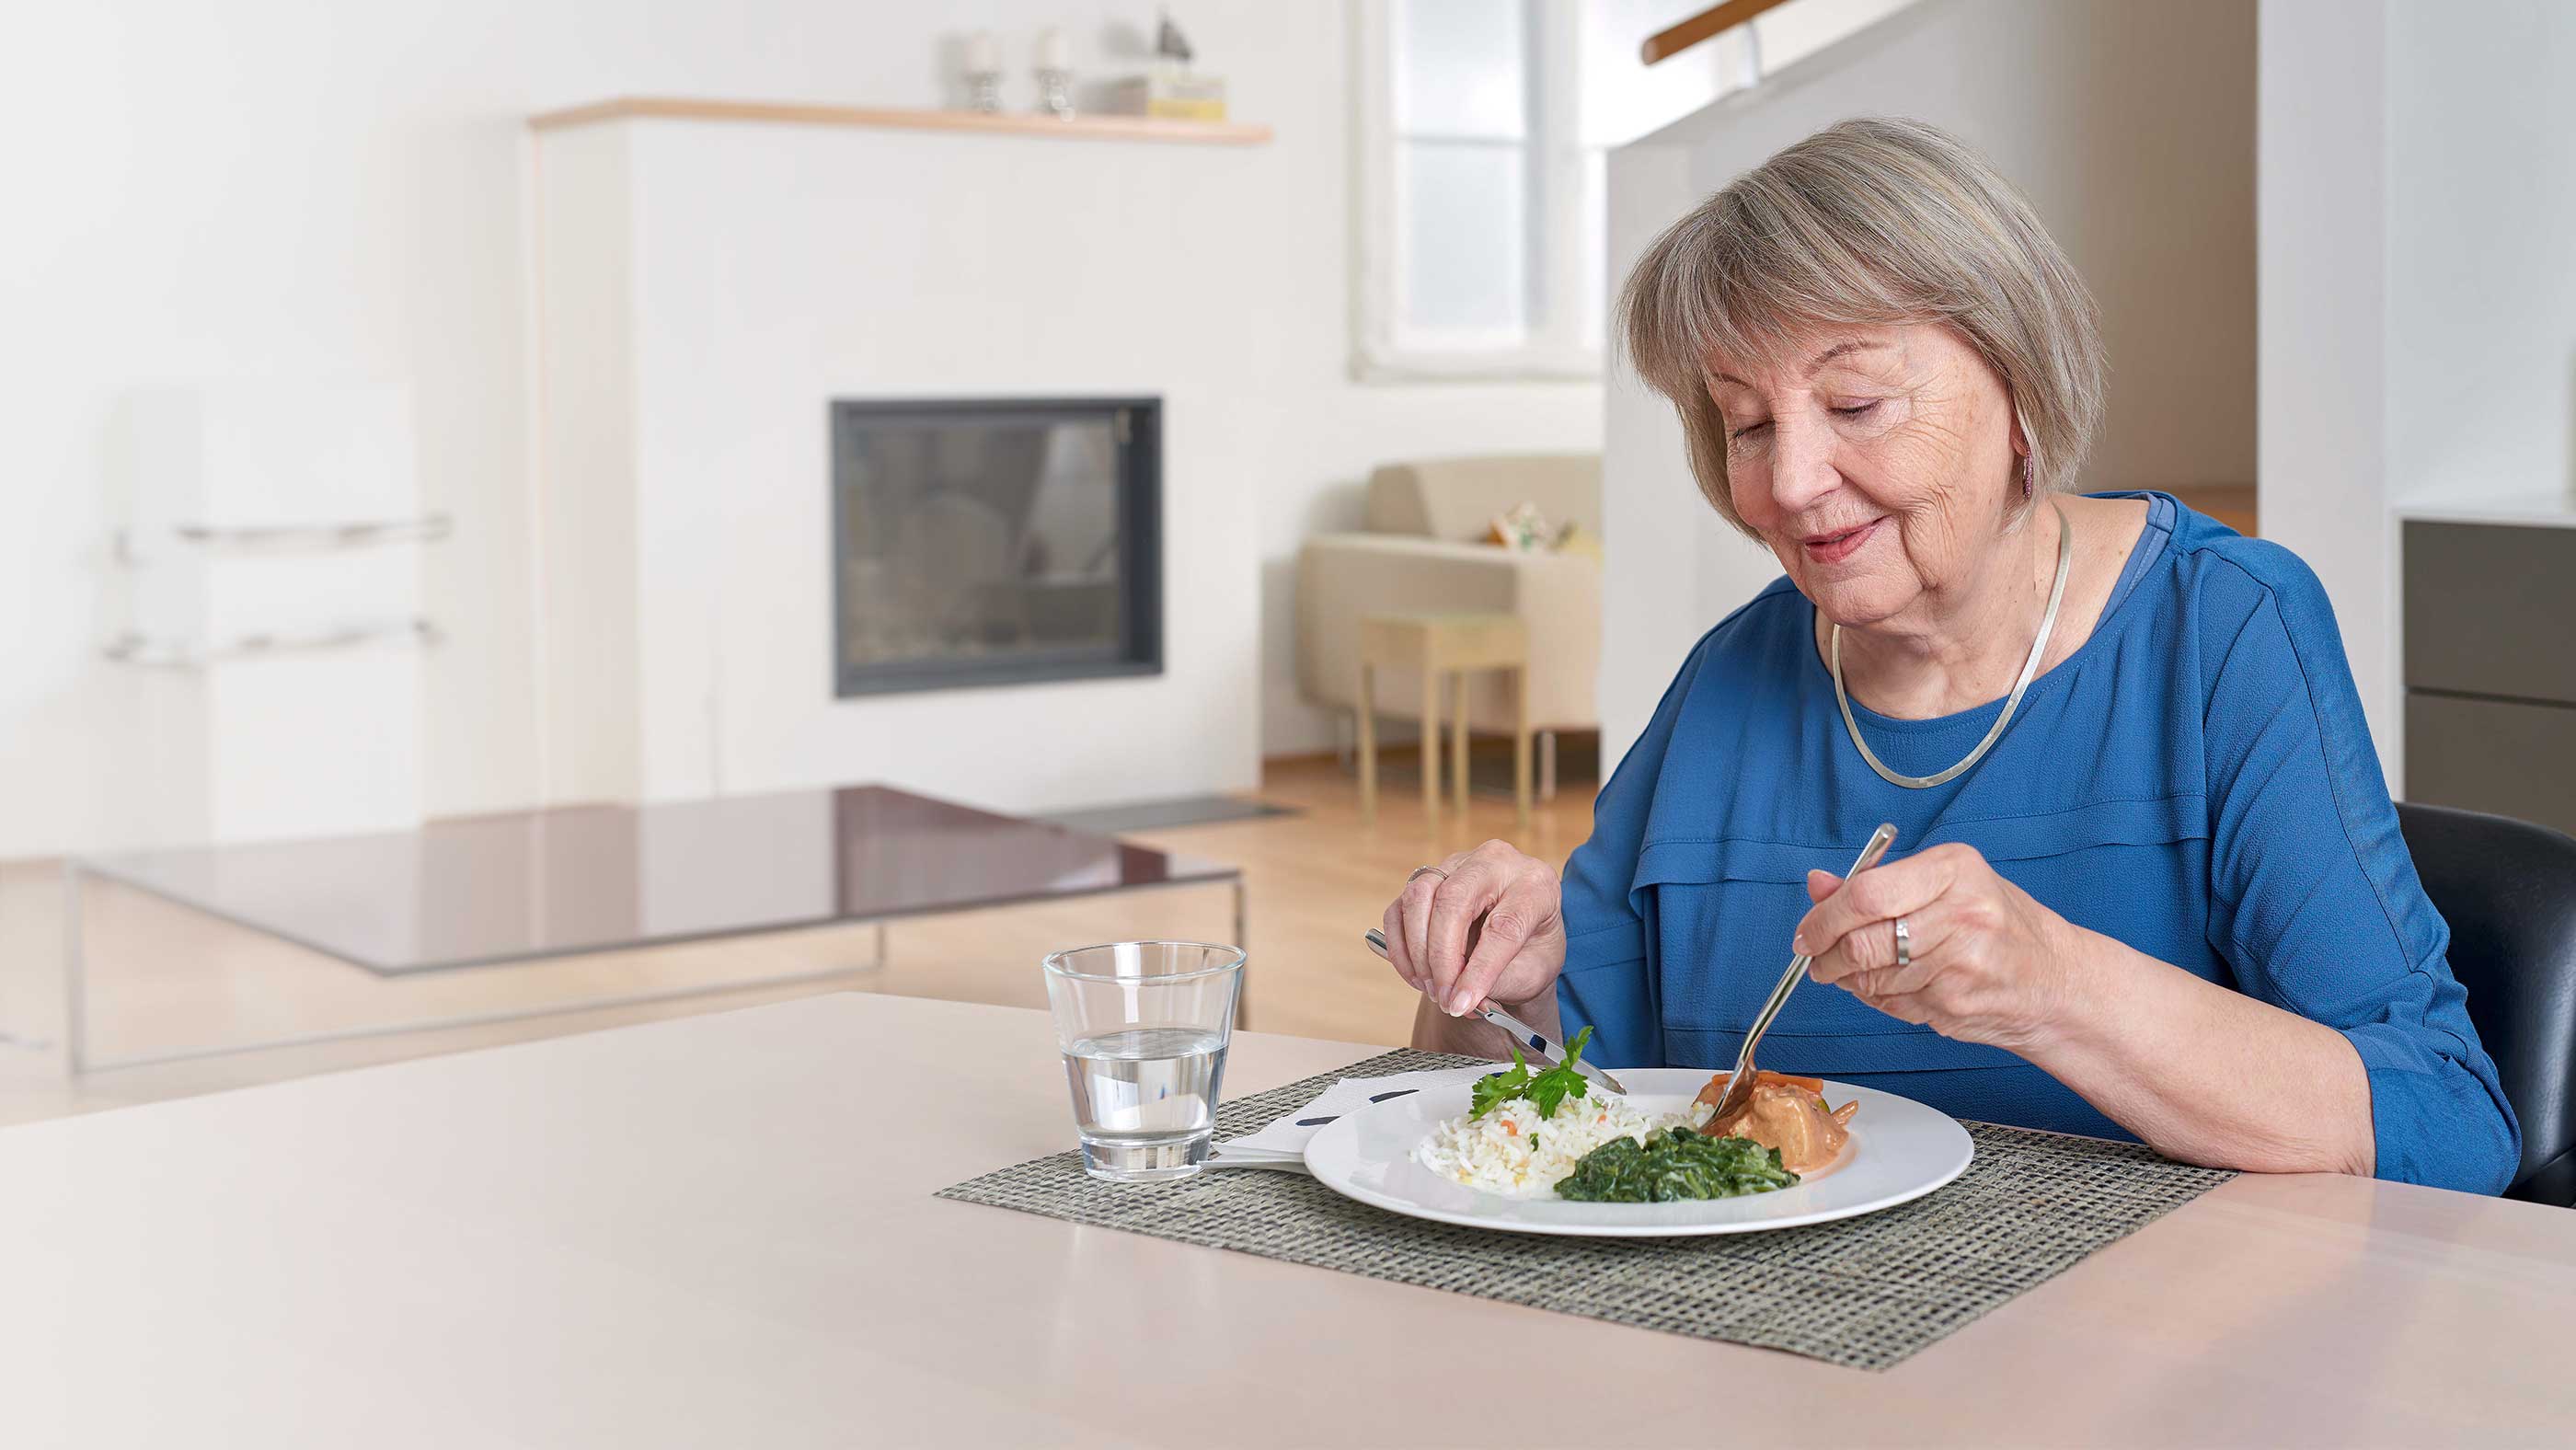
(1474, 243)
(1484, 131)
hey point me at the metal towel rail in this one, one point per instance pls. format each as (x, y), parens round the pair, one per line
(134, 544)
(132, 648)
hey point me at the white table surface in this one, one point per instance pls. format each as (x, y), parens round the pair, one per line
(719, 1231)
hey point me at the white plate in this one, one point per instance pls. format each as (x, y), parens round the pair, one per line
(1899, 1150)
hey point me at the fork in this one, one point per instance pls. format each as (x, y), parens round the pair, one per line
(1739, 1083)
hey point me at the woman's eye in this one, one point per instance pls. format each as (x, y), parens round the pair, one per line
(1856, 410)
(1747, 431)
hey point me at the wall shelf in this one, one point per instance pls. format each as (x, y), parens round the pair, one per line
(791, 113)
(135, 544)
(131, 648)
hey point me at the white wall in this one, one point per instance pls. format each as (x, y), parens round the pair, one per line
(753, 275)
(280, 188)
(2322, 478)
(2481, 166)
(2130, 127)
(2418, 297)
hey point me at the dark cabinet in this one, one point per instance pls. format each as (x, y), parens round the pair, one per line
(2491, 668)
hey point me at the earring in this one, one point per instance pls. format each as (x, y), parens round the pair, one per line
(2021, 436)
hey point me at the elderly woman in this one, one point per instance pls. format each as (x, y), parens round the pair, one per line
(2148, 880)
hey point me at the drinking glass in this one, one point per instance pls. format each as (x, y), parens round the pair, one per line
(1144, 1026)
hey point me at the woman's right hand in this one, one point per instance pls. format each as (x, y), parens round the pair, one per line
(1483, 924)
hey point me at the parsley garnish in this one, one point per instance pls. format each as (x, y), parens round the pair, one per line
(1545, 1091)
(1495, 1089)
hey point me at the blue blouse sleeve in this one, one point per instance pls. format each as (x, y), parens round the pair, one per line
(2315, 899)
(1609, 979)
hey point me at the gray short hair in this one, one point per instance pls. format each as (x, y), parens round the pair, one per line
(1870, 222)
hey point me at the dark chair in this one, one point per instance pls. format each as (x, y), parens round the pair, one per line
(2508, 889)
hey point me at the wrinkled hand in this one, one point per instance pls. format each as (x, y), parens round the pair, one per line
(1988, 961)
(1490, 929)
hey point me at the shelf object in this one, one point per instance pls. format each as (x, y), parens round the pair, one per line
(793, 113)
(138, 544)
(133, 648)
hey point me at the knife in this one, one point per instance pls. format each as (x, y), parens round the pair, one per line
(1528, 1036)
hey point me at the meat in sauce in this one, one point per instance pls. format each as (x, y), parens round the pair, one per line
(1787, 1113)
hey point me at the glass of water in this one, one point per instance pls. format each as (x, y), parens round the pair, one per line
(1144, 1026)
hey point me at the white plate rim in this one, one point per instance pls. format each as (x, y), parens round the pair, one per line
(1331, 1156)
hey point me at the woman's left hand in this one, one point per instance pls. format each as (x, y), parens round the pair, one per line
(1987, 962)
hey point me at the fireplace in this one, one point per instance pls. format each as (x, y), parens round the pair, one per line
(987, 542)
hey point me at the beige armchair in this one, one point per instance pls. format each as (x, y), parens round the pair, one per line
(1420, 552)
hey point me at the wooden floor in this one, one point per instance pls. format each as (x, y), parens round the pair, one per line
(165, 980)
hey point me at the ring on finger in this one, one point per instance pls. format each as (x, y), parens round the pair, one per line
(1904, 944)
(1421, 871)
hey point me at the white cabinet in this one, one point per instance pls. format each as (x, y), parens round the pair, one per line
(267, 576)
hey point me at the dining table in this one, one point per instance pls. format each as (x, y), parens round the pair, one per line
(722, 1230)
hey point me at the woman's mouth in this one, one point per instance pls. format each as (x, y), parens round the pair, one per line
(1835, 547)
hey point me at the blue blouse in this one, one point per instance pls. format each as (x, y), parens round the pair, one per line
(2197, 780)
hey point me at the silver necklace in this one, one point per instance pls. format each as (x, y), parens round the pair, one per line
(2012, 702)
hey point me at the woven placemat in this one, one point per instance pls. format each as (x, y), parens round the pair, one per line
(1864, 1292)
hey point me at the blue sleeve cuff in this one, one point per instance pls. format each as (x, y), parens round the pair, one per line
(2432, 1121)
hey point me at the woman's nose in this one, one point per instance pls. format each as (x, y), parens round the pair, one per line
(1802, 463)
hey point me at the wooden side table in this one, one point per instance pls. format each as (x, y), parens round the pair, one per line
(1444, 644)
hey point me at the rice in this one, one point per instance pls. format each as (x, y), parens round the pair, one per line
(1512, 1150)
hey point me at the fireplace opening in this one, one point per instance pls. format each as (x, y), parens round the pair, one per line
(987, 542)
